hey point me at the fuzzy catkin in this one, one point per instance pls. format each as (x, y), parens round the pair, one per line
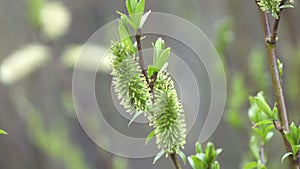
(128, 81)
(167, 115)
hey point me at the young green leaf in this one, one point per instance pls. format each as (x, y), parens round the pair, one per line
(251, 165)
(285, 156)
(254, 147)
(144, 18)
(129, 7)
(3, 132)
(182, 156)
(286, 6)
(163, 58)
(196, 163)
(140, 7)
(138, 13)
(216, 165)
(151, 70)
(280, 67)
(263, 105)
(132, 24)
(219, 151)
(202, 157)
(268, 121)
(124, 33)
(269, 136)
(135, 117)
(198, 147)
(158, 156)
(150, 136)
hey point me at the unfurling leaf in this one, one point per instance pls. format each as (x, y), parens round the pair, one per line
(285, 156)
(3, 132)
(198, 148)
(135, 117)
(263, 105)
(149, 137)
(182, 156)
(286, 6)
(280, 67)
(251, 165)
(124, 33)
(144, 18)
(158, 156)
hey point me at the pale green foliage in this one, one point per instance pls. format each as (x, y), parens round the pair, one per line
(3, 132)
(293, 137)
(261, 116)
(280, 67)
(273, 6)
(167, 116)
(135, 10)
(205, 159)
(160, 58)
(124, 33)
(128, 80)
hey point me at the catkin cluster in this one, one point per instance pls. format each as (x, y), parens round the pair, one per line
(129, 83)
(167, 116)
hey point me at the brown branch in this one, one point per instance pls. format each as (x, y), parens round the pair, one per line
(273, 35)
(151, 84)
(140, 51)
(272, 59)
(271, 41)
(175, 161)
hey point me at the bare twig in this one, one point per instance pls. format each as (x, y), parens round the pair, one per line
(141, 57)
(271, 41)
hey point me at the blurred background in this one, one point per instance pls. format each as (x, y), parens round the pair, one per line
(41, 40)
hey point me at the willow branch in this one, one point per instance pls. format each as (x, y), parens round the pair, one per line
(272, 59)
(273, 35)
(271, 41)
(151, 84)
(140, 51)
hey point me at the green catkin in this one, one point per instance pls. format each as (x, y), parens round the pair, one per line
(128, 81)
(167, 115)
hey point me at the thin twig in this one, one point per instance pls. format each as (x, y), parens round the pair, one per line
(151, 84)
(262, 154)
(271, 41)
(273, 36)
(272, 59)
(175, 161)
(141, 57)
